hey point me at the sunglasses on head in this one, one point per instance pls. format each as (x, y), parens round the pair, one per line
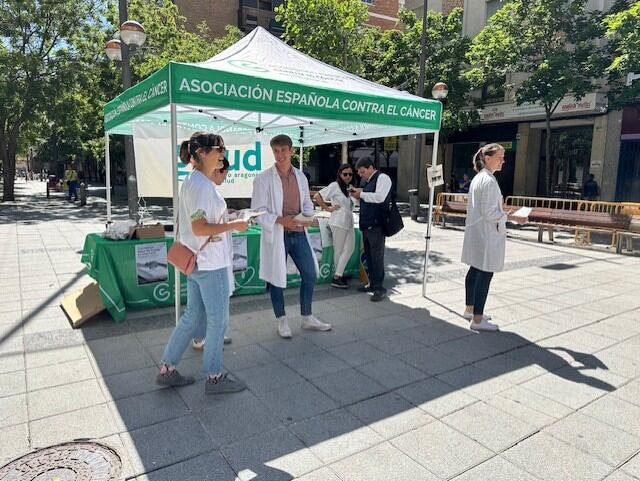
(209, 140)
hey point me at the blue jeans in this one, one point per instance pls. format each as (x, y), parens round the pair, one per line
(297, 246)
(207, 296)
(73, 189)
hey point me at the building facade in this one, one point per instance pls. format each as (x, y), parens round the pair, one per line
(586, 137)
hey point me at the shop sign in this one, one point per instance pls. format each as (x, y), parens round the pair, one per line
(390, 144)
(590, 103)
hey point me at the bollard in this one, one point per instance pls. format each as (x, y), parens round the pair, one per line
(47, 189)
(83, 194)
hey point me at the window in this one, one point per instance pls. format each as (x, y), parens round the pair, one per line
(250, 3)
(368, 2)
(265, 5)
(493, 92)
(251, 21)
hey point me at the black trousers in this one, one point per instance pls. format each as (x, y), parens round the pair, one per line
(476, 289)
(374, 240)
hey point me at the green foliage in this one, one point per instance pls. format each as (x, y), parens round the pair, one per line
(394, 61)
(330, 30)
(550, 44)
(623, 32)
(37, 62)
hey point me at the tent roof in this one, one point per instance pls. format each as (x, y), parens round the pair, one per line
(260, 84)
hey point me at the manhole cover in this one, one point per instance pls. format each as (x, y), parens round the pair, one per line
(82, 461)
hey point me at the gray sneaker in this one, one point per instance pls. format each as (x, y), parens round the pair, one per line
(174, 378)
(224, 385)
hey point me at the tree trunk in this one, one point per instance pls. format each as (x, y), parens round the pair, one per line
(8, 149)
(547, 150)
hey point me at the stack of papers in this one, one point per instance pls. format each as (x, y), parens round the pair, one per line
(304, 218)
(522, 212)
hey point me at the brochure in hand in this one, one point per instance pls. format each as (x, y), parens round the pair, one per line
(522, 212)
(304, 218)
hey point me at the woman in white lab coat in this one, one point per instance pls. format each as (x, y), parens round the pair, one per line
(485, 234)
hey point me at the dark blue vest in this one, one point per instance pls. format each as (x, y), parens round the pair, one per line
(371, 213)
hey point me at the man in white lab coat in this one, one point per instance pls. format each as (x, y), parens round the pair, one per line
(282, 191)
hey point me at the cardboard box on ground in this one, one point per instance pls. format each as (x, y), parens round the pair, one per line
(83, 304)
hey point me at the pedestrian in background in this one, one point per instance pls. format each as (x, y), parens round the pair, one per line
(202, 228)
(340, 222)
(485, 234)
(591, 189)
(71, 178)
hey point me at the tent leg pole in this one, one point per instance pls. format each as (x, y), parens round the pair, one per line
(176, 206)
(434, 161)
(107, 171)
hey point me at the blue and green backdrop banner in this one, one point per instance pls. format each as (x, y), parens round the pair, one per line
(134, 274)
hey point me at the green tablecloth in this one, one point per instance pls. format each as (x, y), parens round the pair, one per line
(135, 274)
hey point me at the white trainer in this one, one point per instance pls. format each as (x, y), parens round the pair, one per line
(483, 325)
(469, 316)
(312, 323)
(283, 328)
(197, 344)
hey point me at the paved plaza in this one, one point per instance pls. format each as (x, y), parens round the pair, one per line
(399, 390)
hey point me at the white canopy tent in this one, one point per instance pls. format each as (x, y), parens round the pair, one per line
(260, 86)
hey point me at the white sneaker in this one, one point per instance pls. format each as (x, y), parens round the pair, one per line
(483, 325)
(198, 344)
(469, 316)
(283, 328)
(312, 323)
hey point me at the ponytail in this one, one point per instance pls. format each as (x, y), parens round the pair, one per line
(478, 158)
(184, 155)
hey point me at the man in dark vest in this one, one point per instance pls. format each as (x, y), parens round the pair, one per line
(374, 195)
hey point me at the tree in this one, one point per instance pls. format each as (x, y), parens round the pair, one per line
(36, 62)
(394, 62)
(552, 42)
(623, 32)
(330, 30)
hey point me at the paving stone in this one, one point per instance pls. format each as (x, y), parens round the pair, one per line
(392, 373)
(12, 383)
(59, 374)
(536, 402)
(630, 392)
(619, 476)
(274, 455)
(394, 344)
(389, 415)
(146, 409)
(296, 402)
(496, 469)
(234, 417)
(381, 463)
(269, 377)
(431, 361)
(91, 422)
(475, 382)
(122, 361)
(489, 426)
(632, 467)
(571, 387)
(616, 412)
(209, 466)
(284, 348)
(166, 444)
(13, 410)
(243, 357)
(65, 398)
(140, 381)
(550, 458)
(357, 353)
(15, 442)
(322, 474)
(335, 435)
(54, 356)
(436, 397)
(509, 369)
(349, 386)
(605, 442)
(315, 364)
(447, 453)
(518, 410)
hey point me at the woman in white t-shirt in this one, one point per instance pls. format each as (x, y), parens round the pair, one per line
(340, 222)
(202, 227)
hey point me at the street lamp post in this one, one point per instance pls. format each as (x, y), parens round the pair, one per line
(439, 92)
(414, 191)
(132, 34)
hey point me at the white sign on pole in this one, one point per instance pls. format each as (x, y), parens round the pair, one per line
(435, 176)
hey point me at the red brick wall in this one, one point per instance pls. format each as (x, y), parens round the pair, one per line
(384, 7)
(217, 13)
